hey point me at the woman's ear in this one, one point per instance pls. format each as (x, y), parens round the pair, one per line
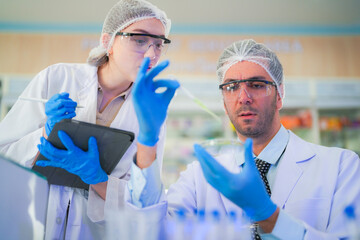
(105, 40)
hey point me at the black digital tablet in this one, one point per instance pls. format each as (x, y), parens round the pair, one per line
(112, 145)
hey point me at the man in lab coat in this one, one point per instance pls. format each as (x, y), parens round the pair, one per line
(308, 186)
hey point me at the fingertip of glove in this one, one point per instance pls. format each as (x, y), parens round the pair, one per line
(165, 62)
(64, 94)
(248, 143)
(145, 61)
(92, 140)
(42, 140)
(199, 151)
(64, 137)
(175, 84)
(61, 133)
(197, 147)
(40, 163)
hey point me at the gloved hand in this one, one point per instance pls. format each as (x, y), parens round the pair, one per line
(84, 164)
(151, 107)
(59, 107)
(246, 189)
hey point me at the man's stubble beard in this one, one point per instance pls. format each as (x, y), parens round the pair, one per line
(263, 125)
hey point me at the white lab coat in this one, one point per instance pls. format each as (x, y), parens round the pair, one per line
(21, 130)
(313, 184)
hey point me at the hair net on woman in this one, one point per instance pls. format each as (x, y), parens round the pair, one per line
(251, 51)
(121, 15)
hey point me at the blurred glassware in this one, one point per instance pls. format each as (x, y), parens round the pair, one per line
(222, 149)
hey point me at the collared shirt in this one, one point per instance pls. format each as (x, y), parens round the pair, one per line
(106, 115)
(272, 153)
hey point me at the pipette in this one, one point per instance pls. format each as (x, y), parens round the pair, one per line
(40, 100)
(201, 104)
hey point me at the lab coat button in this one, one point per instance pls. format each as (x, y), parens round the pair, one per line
(58, 220)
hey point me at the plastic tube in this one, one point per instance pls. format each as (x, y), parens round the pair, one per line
(200, 103)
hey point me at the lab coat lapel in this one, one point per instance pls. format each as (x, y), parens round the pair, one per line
(87, 97)
(126, 120)
(289, 170)
(126, 112)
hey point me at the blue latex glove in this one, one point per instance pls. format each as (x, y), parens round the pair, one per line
(246, 189)
(151, 107)
(84, 164)
(59, 107)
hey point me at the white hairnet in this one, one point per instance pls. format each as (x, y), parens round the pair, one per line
(251, 51)
(121, 15)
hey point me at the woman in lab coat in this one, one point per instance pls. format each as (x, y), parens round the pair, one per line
(103, 87)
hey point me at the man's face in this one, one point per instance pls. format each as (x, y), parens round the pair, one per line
(252, 117)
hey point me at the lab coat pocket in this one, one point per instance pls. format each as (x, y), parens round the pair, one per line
(313, 211)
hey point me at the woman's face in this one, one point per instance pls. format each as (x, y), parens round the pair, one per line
(123, 60)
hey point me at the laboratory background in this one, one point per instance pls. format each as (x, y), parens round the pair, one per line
(317, 41)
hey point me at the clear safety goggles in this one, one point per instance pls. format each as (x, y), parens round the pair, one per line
(141, 42)
(254, 88)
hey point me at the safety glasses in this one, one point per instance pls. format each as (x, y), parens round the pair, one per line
(254, 88)
(141, 42)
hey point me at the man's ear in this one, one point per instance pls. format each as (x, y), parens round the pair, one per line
(105, 40)
(279, 101)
